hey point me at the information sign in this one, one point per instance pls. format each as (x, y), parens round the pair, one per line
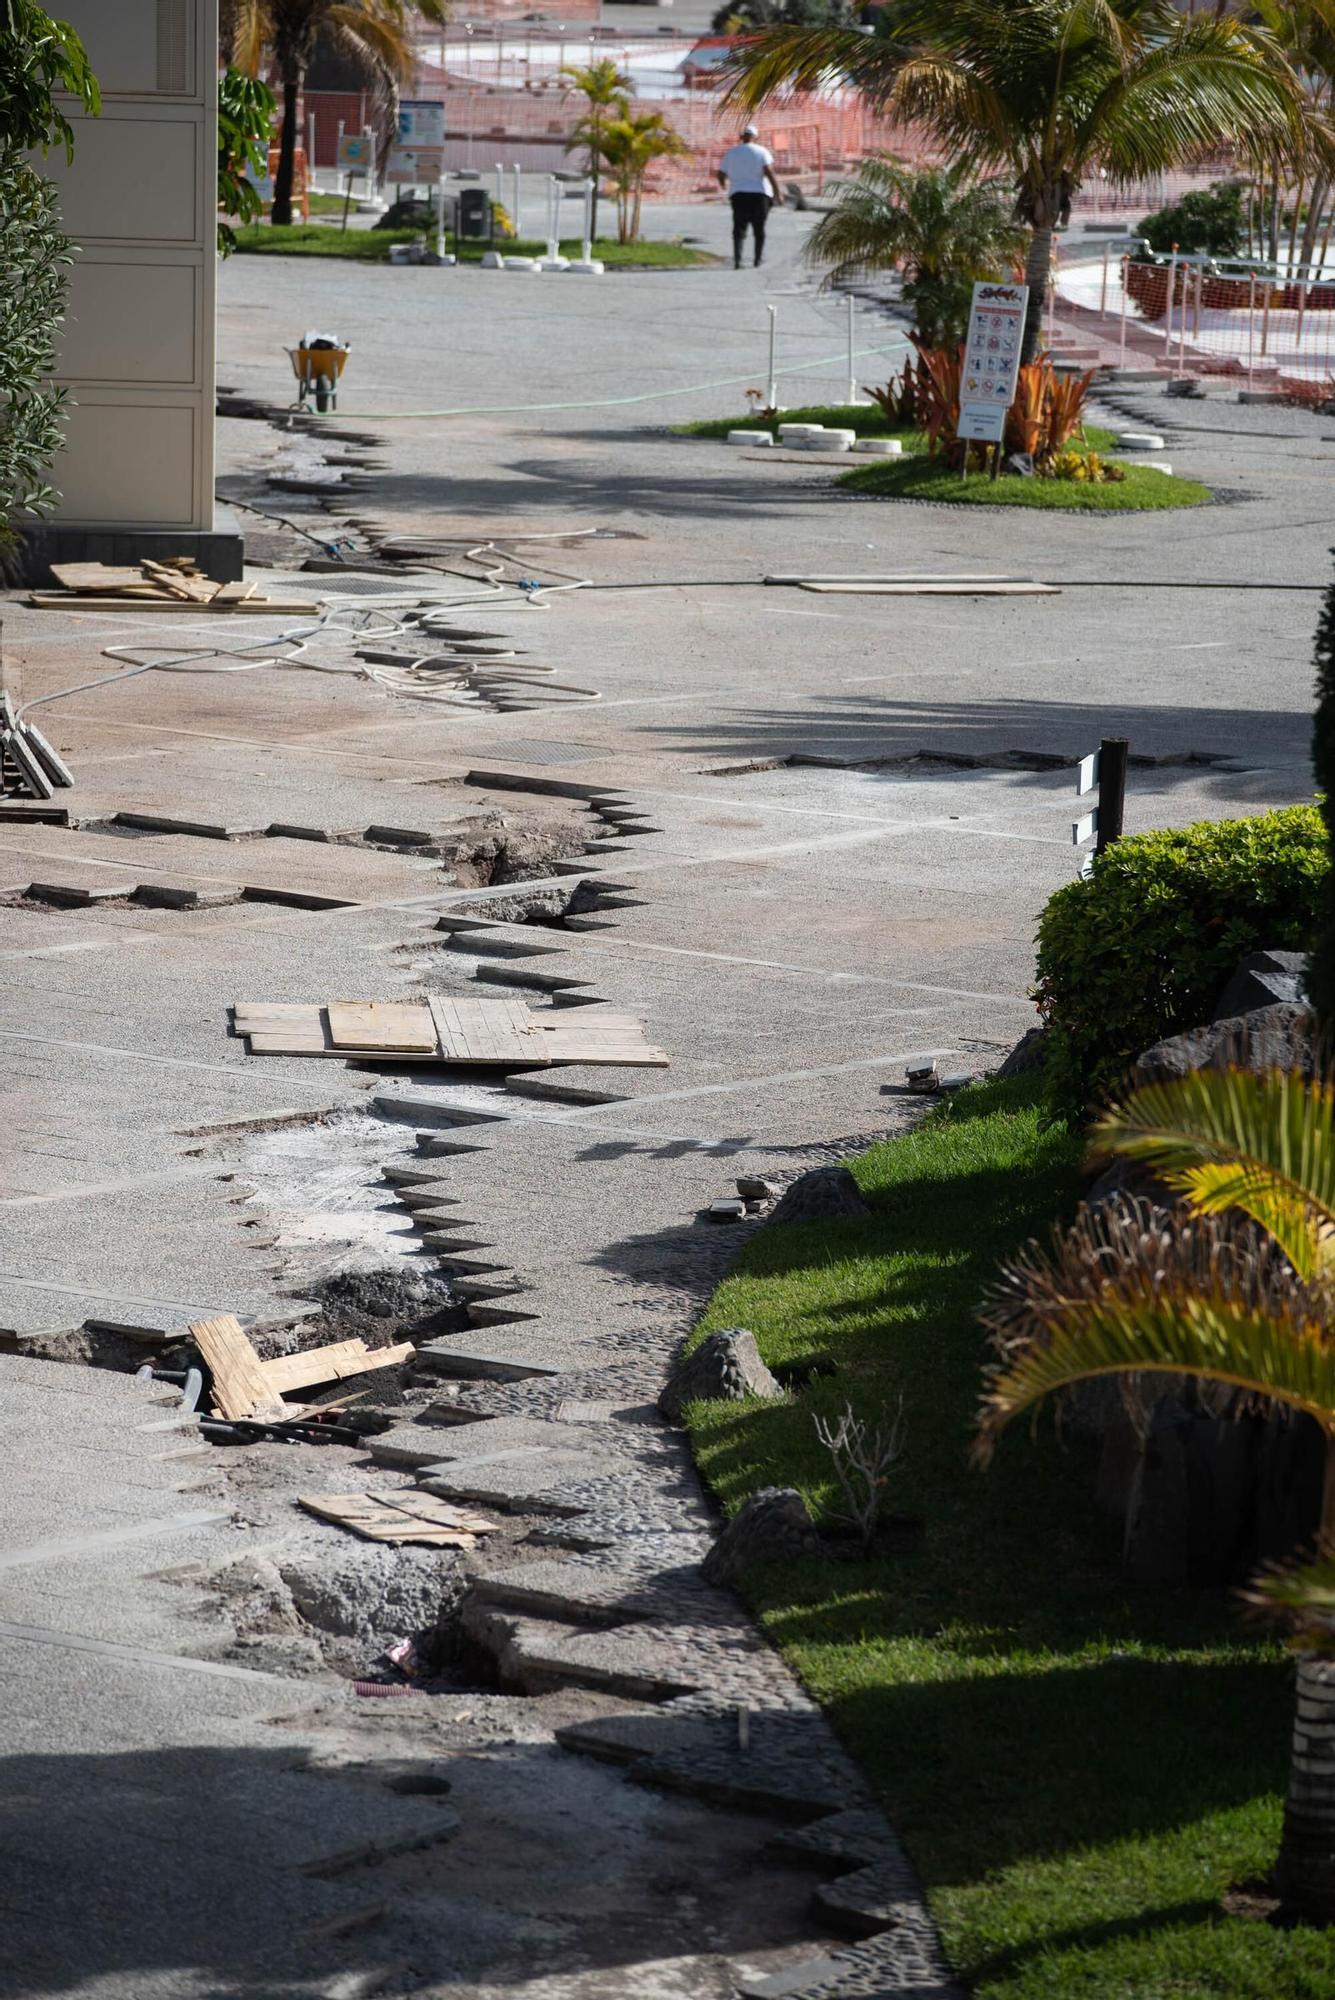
(421, 123)
(991, 360)
(355, 152)
(414, 166)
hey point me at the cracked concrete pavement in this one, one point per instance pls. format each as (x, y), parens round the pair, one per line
(792, 932)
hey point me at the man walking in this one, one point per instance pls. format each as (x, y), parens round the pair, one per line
(747, 172)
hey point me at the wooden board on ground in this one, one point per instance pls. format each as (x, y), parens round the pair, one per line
(239, 1383)
(334, 1363)
(382, 1025)
(231, 598)
(401, 1517)
(466, 1032)
(485, 1031)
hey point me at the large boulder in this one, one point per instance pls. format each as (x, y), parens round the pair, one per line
(1264, 979)
(825, 1194)
(725, 1368)
(1029, 1055)
(772, 1526)
(1284, 1036)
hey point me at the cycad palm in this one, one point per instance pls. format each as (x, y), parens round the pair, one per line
(373, 34)
(1050, 90)
(1238, 1290)
(939, 226)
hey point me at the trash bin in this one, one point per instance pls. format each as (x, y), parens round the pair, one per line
(474, 214)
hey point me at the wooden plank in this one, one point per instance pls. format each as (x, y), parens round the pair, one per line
(334, 1363)
(486, 1031)
(381, 1025)
(379, 1519)
(268, 1015)
(290, 1043)
(64, 600)
(239, 1386)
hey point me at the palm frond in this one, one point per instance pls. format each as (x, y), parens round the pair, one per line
(1211, 82)
(1133, 1290)
(1302, 1597)
(1261, 1142)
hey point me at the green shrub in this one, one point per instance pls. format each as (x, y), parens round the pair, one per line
(1142, 948)
(1208, 220)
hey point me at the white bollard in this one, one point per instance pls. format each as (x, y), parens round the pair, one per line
(772, 392)
(553, 261)
(852, 369)
(586, 261)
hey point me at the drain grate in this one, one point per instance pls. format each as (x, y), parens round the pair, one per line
(538, 750)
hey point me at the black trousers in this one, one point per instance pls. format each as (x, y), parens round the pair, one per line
(749, 211)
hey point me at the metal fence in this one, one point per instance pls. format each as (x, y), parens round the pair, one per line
(1200, 316)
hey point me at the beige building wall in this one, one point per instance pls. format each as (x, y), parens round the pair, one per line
(140, 201)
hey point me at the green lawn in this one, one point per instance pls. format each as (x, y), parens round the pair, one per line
(322, 239)
(923, 478)
(1079, 1768)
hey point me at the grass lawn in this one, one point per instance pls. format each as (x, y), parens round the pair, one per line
(317, 239)
(923, 478)
(1078, 1767)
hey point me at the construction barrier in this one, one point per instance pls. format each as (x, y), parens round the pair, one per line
(1203, 316)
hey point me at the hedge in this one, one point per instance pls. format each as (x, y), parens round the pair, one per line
(1142, 948)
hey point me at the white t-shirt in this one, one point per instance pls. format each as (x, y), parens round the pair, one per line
(745, 165)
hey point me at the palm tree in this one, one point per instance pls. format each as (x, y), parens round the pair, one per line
(1306, 33)
(1047, 90)
(606, 91)
(1234, 1288)
(942, 228)
(630, 145)
(373, 34)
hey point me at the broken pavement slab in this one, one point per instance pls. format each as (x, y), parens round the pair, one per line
(438, 1443)
(539, 1482)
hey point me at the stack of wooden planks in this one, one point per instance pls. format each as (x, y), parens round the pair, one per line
(174, 585)
(245, 1386)
(435, 1030)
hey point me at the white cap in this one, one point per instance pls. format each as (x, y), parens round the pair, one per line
(748, 131)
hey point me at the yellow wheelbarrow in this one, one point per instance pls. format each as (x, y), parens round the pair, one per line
(317, 364)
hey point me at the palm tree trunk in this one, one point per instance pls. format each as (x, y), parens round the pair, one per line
(1315, 208)
(1037, 271)
(595, 161)
(1305, 1869)
(287, 148)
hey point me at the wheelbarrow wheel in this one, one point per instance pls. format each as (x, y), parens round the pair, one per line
(324, 394)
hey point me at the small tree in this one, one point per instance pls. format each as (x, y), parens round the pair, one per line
(38, 57)
(630, 145)
(245, 117)
(1233, 1288)
(606, 91)
(940, 227)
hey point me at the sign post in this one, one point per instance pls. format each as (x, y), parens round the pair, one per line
(355, 155)
(991, 366)
(1106, 768)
